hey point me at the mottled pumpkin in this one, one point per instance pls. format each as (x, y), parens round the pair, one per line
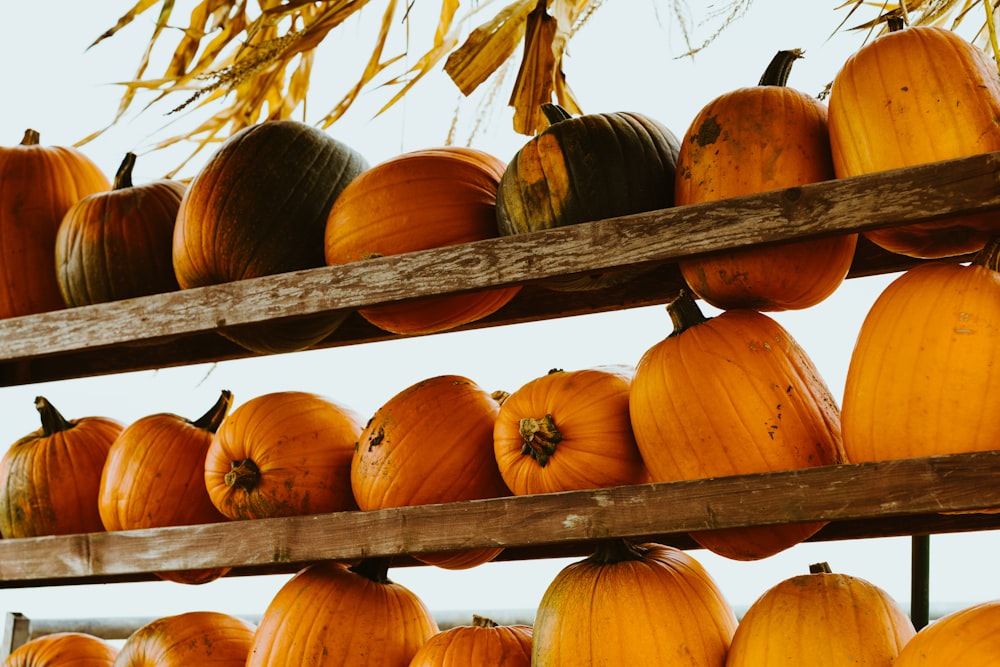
(63, 649)
(38, 185)
(733, 394)
(969, 637)
(50, 479)
(757, 139)
(912, 96)
(117, 244)
(188, 639)
(633, 604)
(484, 643)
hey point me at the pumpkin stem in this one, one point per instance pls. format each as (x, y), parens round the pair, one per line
(52, 420)
(123, 179)
(31, 138)
(375, 569)
(896, 22)
(989, 256)
(555, 113)
(243, 475)
(780, 67)
(211, 420)
(483, 622)
(500, 396)
(684, 312)
(820, 568)
(540, 438)
(616, 550)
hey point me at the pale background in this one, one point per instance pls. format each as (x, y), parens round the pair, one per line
(627, 58)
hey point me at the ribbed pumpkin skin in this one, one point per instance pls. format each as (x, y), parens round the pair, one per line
(731, 395)
(38, 184)
(330, 616)
(117, 244)
(482, 644)
(155, 477)
(752, 140)
(821, 619)
(592, 445)
(283, 454)
(913, 96)
(63, 649)
(922, 379)
(420, 200)
(431, 443)
(188, 639)
(50, 479)
(661, 609)
(258, 207)
(969, 637)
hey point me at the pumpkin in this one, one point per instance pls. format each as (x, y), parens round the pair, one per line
(485, 643)
(757, 139)
(333, 615)
(921, 378)
(911, 96)
(63, 649)
(418, 201)
(117, 244)
(821, 619)
(732, 394)
(431, 443)
(568, 430)
(283, 454)
(258, 207)
(633, 604)
(154, 477)
(49, 479)
(585, 168)
(967, 637)
(38, 185)
(191, 638)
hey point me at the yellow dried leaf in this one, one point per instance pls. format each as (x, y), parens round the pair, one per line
(488, 46)
(535, 78)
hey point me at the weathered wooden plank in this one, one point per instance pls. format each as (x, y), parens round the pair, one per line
(885, 490)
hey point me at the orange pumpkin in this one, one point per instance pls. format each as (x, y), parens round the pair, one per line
(155, 477)
(633, 604)
(730, 395)
(482, 644)
(50, 479)
(63, 649)
(916, 95)
(332, 615)
(38, 185)
(417, 201)
(568, 430)
(751, 140)
(117, 244)
(283, 454)
(191, 638)
(968, 637)
(921, 380)
(439, 429)
(821, 619)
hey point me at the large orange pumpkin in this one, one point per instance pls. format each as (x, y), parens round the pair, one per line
(916, 95)
(431, 443)
(969, 637)
(50, 479)
(332, 615)
(568, 430)
(117, 244)
(485, 643)
(641, 605)
(63, 649)
(38, 184)
(155, 477)
(730, 395)
(417, 201)
(922, 378)
(751, 140)
(283, 454)
(821, 619)
(188, 639)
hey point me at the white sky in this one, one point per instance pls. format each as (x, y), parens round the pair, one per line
(625, 59)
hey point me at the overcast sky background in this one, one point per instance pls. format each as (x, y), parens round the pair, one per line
(625, 59)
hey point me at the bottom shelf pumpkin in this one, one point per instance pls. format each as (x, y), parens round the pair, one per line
(63, 649)
(191, 638)
(485, 643)
(969, 637)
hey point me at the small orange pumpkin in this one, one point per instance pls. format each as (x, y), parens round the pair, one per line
(332, 615)
(50, 479)
(283, 454)
(63, 649)
(568, 430)
(968, 637)
(187, 639)
(485, 643)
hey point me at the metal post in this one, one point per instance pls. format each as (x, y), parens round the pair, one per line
(920, 586)
(16, 631)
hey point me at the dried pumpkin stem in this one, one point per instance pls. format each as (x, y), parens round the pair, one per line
(820, 568)
(684, 312)
(52, 420)
(243, 475)
(31, 138)
(555, 113)
(123, 178)
(989, 256)
(483, 622)
(780, 67)
(375, 569)
(616, 550)
(211, 420)
(540, 438)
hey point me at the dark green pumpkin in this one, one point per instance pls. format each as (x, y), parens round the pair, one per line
(586, 168)
(258, 207)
